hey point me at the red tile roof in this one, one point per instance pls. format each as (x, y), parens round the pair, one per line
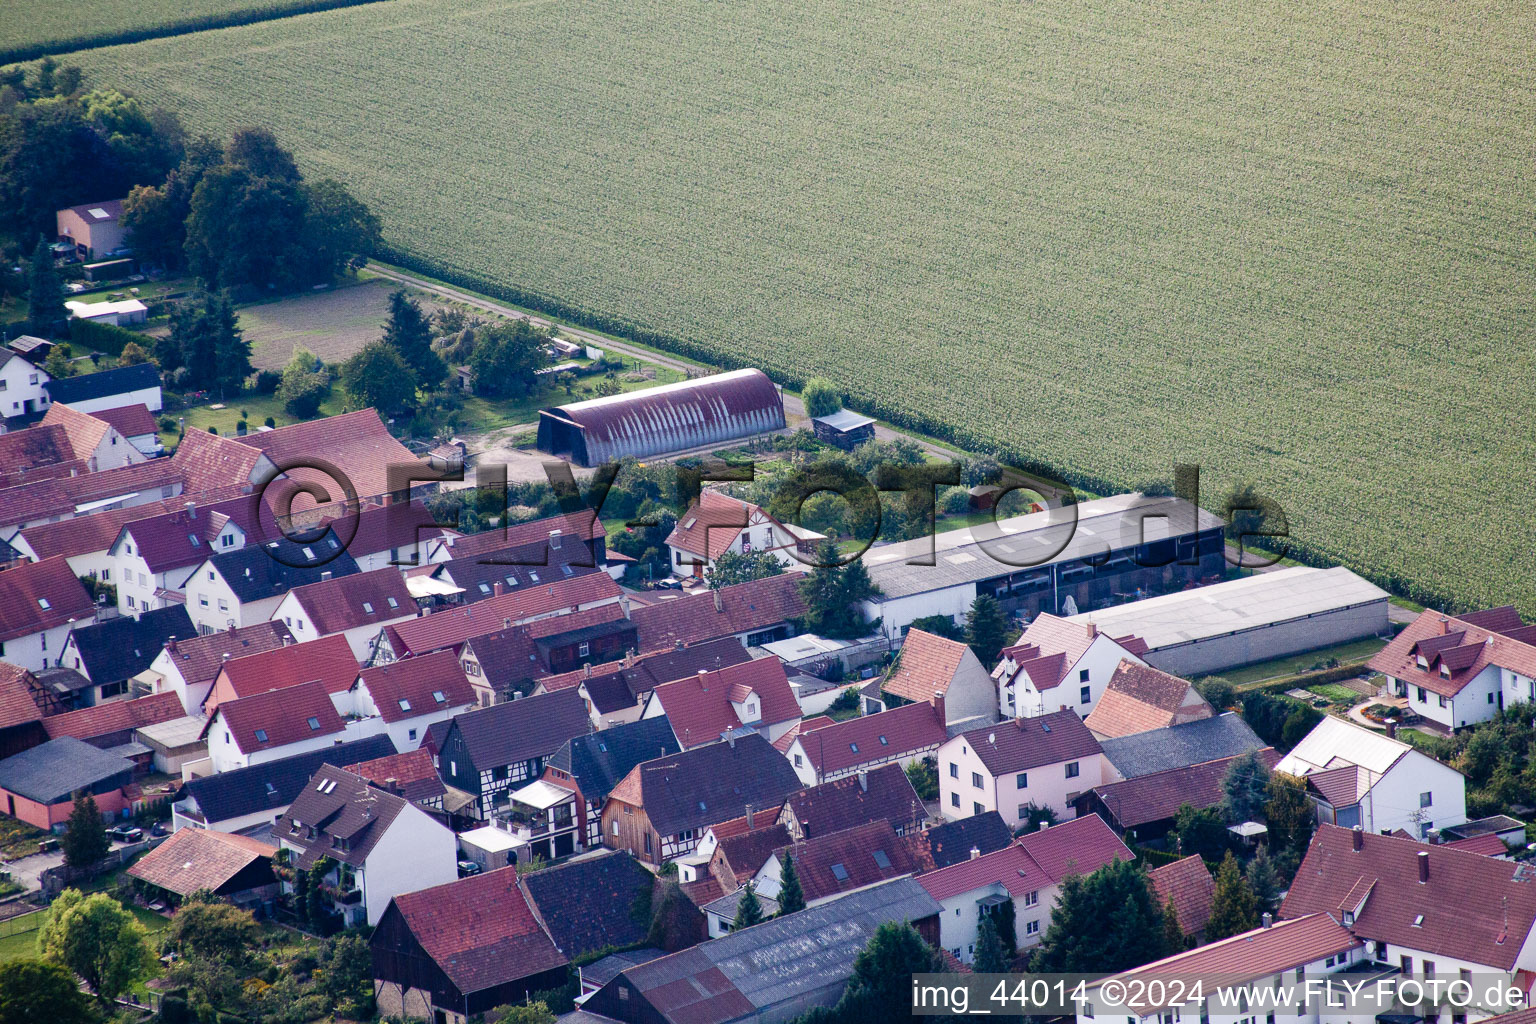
(40, 500)
(383, 528)
(1188, 883)
(851, 859)
(328, 660)
(85, 431)
(1474, 908)
(83, 535)
(185, 537)
(583, 524)
(480, 931)
(1011, 867)
(129, 420)
(199, 858)
(1488, 844)
(741, 608)
(700, 706)
(35, 596)
(927, 665)
(805, 725)
(1140, 698)
(412, 771)
(884, 793)
(200, 658)
(360, 599)
(1463, 646)
(412, 687)
(743, 852)
(1255, 954)
(1046, 651)
(453, 626)
(356, 443)
(871, 739)
(1077, 847)
(1159, 795)
(1019, 744)
(17, 706)
(711, 525)
(283, 716)
(115, 716)
(205, 462)
(24, 452)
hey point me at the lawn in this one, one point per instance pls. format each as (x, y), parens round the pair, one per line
(18, 936)
(1344, 654)
(1267, 238)
(1336, 693)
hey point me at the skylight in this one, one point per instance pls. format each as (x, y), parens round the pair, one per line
(261, 737)
(405, 705)
(309, 553)
(881, 859)
(853, 747)
(368, 607)
(567, 570)
(193, 538)
(485, 588)
(689, 524)
(839, 872)
(392, 602)
(439, 696)
(1418, 922)
(42, 603)
(314, 724)
(326, 785)
(884, 742)
(533, 575)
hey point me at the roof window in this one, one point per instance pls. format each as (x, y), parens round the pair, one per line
(314, 724)
(261, 737)
(839, 872)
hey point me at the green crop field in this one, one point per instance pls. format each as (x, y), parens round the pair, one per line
(1290, 242)
(31, 28)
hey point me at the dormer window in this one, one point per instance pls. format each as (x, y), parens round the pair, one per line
(1445, 670)
(1423, 662)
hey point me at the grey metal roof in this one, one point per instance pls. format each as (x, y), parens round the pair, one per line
(1262, 599)
(56, 769)
(603, 971)
(1031, 541)
(726, 905)
(806, 956)
(1179, 746)
(844, 419)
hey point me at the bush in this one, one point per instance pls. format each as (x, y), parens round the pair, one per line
(265, 382)
(167, 424)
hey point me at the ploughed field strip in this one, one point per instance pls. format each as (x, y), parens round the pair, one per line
(1287, 242)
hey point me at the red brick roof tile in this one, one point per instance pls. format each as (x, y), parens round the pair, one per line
(35, 596)
(412, 687)
(1077, 847)
(1019, 744)
(359, 599)
(927, 666)
(1463, 645)
(871, 739)
(453, 626)
(1188, 883)
(413, 771)
(740, 608)
(115, 716)
(200, 658)
(277, 718)
(711, 525)
(199, 858)
(328, 660)
(17, 706)
(700, 706)
(1140, 698)
(838, 862)
(129, 420)
(356, 443)
(1159, 795)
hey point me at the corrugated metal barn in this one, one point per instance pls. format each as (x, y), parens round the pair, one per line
(669, 418)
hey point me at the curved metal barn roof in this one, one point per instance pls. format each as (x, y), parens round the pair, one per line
(673, 417)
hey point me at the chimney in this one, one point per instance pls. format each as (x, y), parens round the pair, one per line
(629, 657)
(719, 602)
(170, 645)
(496, 589)
(1357, 839)
(975, 852)
(751, 811)
(506, 623)
(586, 670)
(1268, 919)
(191, 510)
(554, 540)
(704, 679)
(937, 701)
(325, 574)
(392, 785)
(1391, 724)
(1423, 866)
(1093, 629)
(1043, 826)
(864, 780)
(731, 739)
(677, 645)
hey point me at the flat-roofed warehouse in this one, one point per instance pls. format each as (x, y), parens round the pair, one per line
(669, 418)
(1109, 551)
(1261, 617)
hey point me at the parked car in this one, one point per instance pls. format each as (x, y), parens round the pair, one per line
(469, 867)
(126, 833)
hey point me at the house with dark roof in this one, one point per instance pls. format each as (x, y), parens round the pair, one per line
(592, 764)
(114, 651)
(939, 846)
(931, 665)
(1458, 671)
(1420, 907)
(1178, 746)
(903, 735)
(412, 694)
(246, 799)
(753, 696)
(400, 534)
(589, 904)
(377, 843)
(235, 868)
(455, 951)
(24, 379)
(1059, 664)
(659, 811)
(881, 794)
(717, 523)
(834, 863)
(754, 613)
(617, 691)
(188, 667)
(40, 603)
(731, 852)
(21, 719)
(489, 752)
(1139, 698)
(554, 532)
(1027, 874)
(1019, 763)
(38, 785)
(277, 723)
(356, 606)
(1186, 884)
(723, 980)
(1145, 807)
(493, 573)
(137, 384)
(234, 589)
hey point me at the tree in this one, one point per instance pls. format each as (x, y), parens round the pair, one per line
(1218, 693)
(1289, 814)
(1263, 878)
(33, 991)
(1034, 815)
(791, 895)
(924, 776)
(133, 354)
(304, 386)
(736, 567)
(85, 837)
(206, 338)
(991, 958)
(523, 1013)
(939, 625)
(505, 358)
(880, 988)
(375, 376)
(749, 910)
(408, 331)
(243, 230)
(986, 629)
(1173, 932)
(820, 397)
(674, 918)
(156, 217)
(1104, 922)
(1200, 831)
(58, 365)
(1234, 907)
(98, 940)
(1244, 788)
(832, 592)
(348, 977)
(339, 232)
(316, 910)
(213, 929)
(1251, 516)
(45, 296)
